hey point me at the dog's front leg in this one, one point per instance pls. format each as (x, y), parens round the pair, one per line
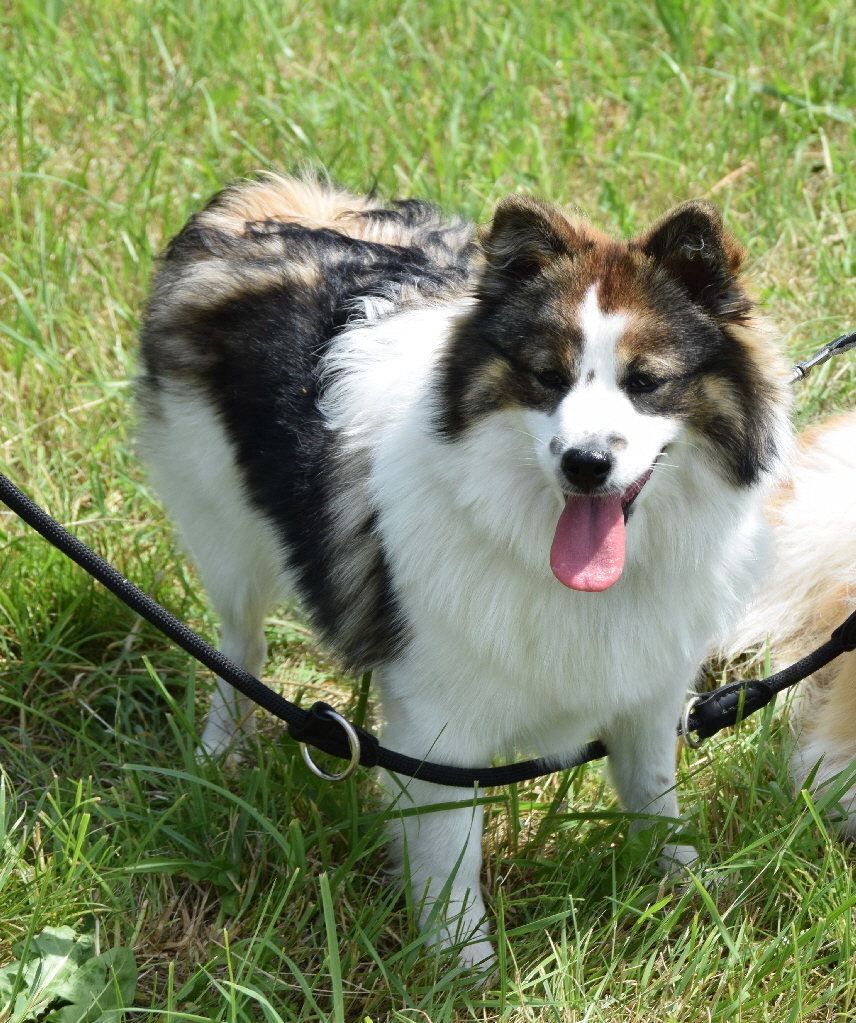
(642, 765)
(439, 851)
(231, 716)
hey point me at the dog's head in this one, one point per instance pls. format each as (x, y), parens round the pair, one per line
(611, 351)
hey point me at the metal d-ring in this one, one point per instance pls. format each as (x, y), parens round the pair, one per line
(353, 744)
(685, 724)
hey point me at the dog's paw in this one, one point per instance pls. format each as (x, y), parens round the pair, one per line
(222, 745)
(676, 860)
(685, 874)
(467, 934)
(230, 762)
(478, 954)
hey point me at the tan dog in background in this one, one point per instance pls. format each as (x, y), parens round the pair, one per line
(811, 590)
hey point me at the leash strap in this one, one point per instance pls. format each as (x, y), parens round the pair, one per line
(710, 714)
(145, 607)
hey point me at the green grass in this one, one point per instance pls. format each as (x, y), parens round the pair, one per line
(262, 895)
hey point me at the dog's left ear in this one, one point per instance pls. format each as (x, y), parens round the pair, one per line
(692, 245)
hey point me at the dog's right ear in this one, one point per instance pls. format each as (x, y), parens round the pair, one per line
(526, 235)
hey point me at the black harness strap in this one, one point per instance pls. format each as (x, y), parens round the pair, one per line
(712, 711)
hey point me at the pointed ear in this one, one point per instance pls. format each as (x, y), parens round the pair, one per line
(691, 244)
(526, 235)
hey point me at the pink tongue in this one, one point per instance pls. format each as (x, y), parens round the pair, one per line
(588, 548)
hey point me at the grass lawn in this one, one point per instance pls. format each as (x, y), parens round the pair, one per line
(262, 894)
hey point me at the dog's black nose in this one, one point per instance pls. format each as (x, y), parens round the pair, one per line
(586, 468)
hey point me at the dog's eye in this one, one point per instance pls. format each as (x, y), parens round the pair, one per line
(642, 383)
(552, 379)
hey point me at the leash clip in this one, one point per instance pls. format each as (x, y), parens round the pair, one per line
(843, 343)
(689, 706)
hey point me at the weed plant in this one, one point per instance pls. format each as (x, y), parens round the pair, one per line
(262, 893)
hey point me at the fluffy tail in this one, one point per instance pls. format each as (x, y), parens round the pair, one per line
(313, 203)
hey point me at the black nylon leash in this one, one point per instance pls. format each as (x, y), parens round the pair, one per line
(322, 727)
(711, 712)
(318, 727)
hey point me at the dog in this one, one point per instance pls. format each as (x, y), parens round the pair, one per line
(811, 589)
(518, 472)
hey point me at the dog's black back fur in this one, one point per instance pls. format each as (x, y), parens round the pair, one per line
(252, 331)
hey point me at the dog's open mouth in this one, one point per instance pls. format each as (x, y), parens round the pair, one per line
(588, 547)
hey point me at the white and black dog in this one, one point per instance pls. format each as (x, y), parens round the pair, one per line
(438, 440)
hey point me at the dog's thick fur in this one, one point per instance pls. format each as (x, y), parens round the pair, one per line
(385, 413)
(810, 591)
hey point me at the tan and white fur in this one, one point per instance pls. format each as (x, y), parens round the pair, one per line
(810, 591)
